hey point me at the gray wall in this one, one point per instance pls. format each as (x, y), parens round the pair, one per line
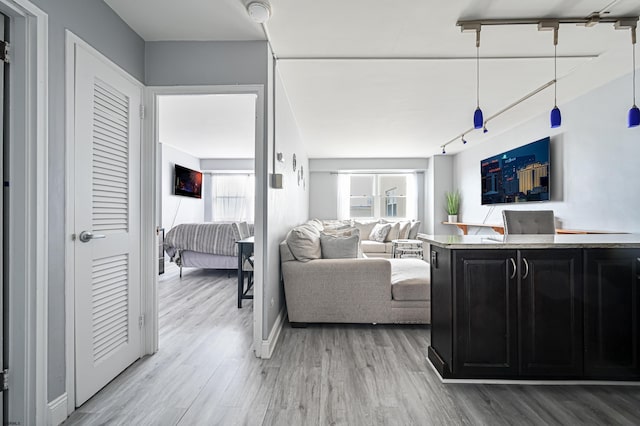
(287, 207)
(594, 164)
(184, 63)
(323, 182)
(98, 25)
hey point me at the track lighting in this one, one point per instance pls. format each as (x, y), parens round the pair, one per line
(443, 150)
(628, 22)
(464, 141)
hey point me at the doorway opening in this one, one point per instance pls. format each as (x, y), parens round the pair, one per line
(214, 134)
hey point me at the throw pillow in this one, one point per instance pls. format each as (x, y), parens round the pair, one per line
(393, 232)
(316, 223)
(413, 232)
(304, 242)
(365, 227)
(339, 247)
(346, 232)
(405, 226)
(379, 232)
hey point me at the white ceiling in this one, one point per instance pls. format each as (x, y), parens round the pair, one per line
(208, 126)
(423, 93)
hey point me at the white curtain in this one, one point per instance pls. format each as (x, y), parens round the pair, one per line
(233, 197)
(412, 196)
(344, 196)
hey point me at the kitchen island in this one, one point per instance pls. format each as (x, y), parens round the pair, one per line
(535, 307)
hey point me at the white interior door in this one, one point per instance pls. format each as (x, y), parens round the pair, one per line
(107, 223)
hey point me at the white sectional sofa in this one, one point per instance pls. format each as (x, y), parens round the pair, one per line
(399, 230)
(321, 288)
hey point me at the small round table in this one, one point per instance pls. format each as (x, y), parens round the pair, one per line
(406, 249)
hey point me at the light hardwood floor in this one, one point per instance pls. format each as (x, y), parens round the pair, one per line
(205, 373)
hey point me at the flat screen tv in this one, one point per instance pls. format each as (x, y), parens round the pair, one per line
(188, 182)
(516, 176)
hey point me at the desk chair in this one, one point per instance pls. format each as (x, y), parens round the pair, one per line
(528, 222)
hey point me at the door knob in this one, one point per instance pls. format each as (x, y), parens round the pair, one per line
(86, 236)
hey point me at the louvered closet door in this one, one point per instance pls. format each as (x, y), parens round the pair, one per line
(107, 204)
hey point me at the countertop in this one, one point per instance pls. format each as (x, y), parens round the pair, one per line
(533, 241)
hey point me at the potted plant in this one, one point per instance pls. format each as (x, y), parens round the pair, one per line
(453, 205)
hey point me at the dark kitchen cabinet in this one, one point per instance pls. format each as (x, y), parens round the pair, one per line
(612, 313)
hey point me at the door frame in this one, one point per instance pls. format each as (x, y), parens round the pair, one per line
(28, 212)
(151, 203)
(72, 42)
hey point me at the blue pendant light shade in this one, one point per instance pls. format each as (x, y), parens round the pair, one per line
(556, 117)
(478, 119)
(634, 116)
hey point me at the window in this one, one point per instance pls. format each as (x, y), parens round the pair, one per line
(377, 195)
(233, 197)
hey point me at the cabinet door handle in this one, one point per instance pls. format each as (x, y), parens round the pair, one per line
(526, 268)
(515, 268)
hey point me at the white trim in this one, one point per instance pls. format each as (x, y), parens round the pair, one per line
(72, 42)
(531, 382)
(57, 410)
(150, 206)
(28, 280)
(269, 345)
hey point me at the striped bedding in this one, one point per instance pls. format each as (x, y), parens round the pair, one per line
(212, 238)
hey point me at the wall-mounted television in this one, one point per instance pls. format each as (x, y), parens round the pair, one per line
(516, 176)
(188, 182)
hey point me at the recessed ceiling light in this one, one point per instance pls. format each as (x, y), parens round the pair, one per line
(259, 11)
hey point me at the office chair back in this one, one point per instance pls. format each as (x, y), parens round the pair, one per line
(528, 222)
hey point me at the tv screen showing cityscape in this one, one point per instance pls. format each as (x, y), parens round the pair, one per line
(518, 175)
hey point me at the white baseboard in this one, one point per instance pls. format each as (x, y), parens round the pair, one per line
(269, 345)
(57, 410)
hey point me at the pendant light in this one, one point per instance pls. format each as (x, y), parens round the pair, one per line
(556, 117)
(478, 118)
(634, 112)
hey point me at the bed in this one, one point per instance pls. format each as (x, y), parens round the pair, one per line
(206, 245)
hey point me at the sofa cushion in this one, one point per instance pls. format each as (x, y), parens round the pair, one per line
(316, 223)
(339, 246)
(369, 246)
(304, 242)
(365, 227)
(410, 279)
(394, 232)
(405, 227)
(379, 232)
(413, 232)
(336, 224)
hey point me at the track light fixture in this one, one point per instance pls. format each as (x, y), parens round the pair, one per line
(634, 112)
(478, 117)
(555, 116)
(443, 150)
(628, 22)
(464, 141)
